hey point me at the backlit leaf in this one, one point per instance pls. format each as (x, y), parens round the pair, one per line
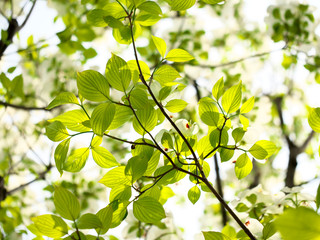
(178, 5)
(105, 216)
(60, 154)
(194, 194)
(148, 210)
(63, 98)
(179, 55)
(243, 166)
(176, 105)
(160, 45)
(102, 117)
(66, 203)
(93, 85)
(56, 131)
(247, 106)
(215, 236)
(314, 119)
(116, 177)
(145, 120)
(217, 89)
(74, 120)
(166, 74)
(231, 99)
(300, 223)
(103, 157)
(76, 161)
(263, 149)
(136, 167)
(89, 221)
(50, 225)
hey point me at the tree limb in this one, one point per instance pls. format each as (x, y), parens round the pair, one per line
(22, 107)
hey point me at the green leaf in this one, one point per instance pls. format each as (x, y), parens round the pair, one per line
(63, 98)
(263, 149)
(229, 231)
(212, 1)
(89, 221)
(231, 99)
(151, 191)
(194, 194)
(76, 160)
(217, 90)
(318, 197)
(123, 114)
(148, 210)
(179, 5)
(160, 45)
(116, 177)
(166, 140)
(238, 134)
(165, 74)
(113, 22)
(215, 236)
(209, 113)
(95, 17)
(153, 163)
(50, 225)
(56, 131)
(314, 119)
(300, 223)
(204, 147)
(136, 167)
(147, 120)
(75, 120)
(176, 105)
(66, 203)
(151, 7)
(103, 157)
(118, 73)
(121, 192)
(60, 154)
(147, 19)
(247, 106)
(132, 64)
(179, 55)
(119, 214)
(226, 154)
(138, 98)
(105, 216)
(269, 230)
(137, 3)
(243, 166)
(93, 86)
(102, 117)
(244, 121)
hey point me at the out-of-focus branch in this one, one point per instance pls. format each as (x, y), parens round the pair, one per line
(22, 107)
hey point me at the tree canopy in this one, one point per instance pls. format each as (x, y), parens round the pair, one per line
(122, 112)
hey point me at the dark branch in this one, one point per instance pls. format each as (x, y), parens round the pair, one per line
(22, 107)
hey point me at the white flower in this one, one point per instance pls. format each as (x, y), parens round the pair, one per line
(186, 129)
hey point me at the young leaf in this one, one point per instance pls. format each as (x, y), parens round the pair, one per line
(243, 166)
(217, 90)
(231, 99)
(103, 157)
(119, 214)
(176, 105)
(194, 194)
(138, 98)
(263, 149)
(146, 117)
(60, 154)
(179, 55)
(179, 5)
(93, 86)
(121, 192)
(123, 114)
(50, 225)
(105, 216)
(300, 223)
(148, 210)
(67, 205)
(165, 74)
(160, 45)
(151, 7)
(238, 134)
(136, 167)
(151, 191)
(135, 72)
(118, 73)
(56, 131)
(74, 120)
(314, 119)
(215, 236)
(226, 154)
(89, 221)
(63, 98)
(244, 121)
(76, 160)
(116, 177)
(247, 106)
(102, 117)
